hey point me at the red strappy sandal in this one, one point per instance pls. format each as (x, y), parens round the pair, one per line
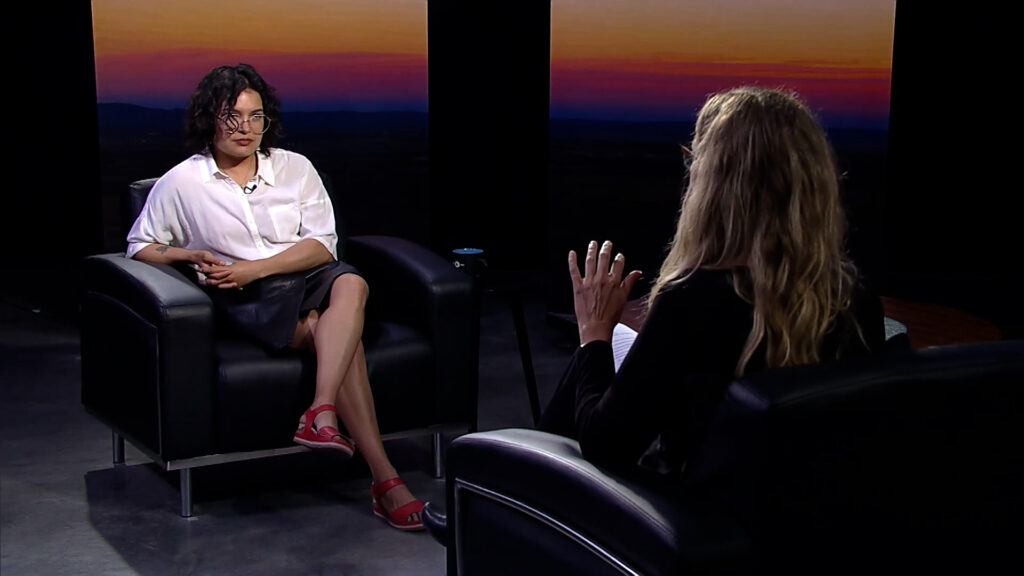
(401, 517)
(327, 437)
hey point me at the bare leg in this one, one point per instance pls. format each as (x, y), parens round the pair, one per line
(341, 371)
(336, 335)
(303, 339)
(356, 409)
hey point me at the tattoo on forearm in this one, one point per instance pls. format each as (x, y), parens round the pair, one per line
(162, 249)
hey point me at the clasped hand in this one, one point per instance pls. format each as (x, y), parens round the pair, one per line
(223, 275)
(600, 295)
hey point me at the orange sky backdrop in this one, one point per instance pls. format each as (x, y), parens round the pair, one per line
(640, 59)
(349, 54)
(657, 59)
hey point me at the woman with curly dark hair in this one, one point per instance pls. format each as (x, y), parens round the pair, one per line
(257, 225)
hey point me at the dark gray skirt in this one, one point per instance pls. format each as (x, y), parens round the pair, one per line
(268, 309)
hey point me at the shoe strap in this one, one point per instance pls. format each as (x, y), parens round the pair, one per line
(401, 514)
(382, 488)
(331, 432)
(312, 412)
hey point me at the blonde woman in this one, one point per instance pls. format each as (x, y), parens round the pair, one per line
(755, 278)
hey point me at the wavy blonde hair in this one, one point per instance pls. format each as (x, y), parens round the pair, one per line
(763, 201)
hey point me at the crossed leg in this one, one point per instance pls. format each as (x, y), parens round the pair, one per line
(342, 379)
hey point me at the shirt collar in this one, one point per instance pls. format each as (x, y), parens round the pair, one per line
(265, 170)
(208, 167)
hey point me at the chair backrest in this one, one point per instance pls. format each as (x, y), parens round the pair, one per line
(138, 191)
(911, 455)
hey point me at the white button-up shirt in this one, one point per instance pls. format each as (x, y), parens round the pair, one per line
(198, 207)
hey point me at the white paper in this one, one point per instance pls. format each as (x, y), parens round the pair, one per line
(622, 341)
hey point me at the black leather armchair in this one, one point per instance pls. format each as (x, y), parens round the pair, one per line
(903, 464)
(159, 373)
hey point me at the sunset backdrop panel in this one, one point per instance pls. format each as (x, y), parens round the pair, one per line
(361, 55)
(659, 59)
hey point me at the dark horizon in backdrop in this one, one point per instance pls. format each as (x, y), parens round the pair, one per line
(610, 178)
(570, 131)
(949, 233)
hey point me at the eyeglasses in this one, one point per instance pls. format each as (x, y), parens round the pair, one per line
(258, 123)
(687, 154)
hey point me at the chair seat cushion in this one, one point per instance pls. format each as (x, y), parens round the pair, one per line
(402, 376)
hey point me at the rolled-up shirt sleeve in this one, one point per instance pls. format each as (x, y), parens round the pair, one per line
(317, 213)
(157, 223)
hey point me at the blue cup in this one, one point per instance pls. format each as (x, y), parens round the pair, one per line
(469, 260)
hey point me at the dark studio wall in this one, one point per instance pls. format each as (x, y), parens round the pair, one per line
(953, 234)
(948, 231)
(52, 216)
(939, 229)
(488, 107)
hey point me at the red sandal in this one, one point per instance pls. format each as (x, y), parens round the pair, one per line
(401, 517)
(325, 436)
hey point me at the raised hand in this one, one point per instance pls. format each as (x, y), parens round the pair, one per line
(601, 293)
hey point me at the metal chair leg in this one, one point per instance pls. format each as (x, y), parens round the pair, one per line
(117, 446)
(185, 474)
(437, 450)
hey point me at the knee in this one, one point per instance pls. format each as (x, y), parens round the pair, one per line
(351, 288)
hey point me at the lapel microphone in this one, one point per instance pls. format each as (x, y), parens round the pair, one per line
(249, 189)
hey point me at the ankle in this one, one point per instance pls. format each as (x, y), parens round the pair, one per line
(325, 419)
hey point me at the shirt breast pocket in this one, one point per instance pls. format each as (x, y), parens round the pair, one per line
(285, 220)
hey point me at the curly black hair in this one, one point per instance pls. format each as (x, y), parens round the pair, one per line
(221, 87)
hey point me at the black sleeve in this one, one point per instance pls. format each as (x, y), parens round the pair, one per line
(868, 336)
(871, 318)
(618, 415)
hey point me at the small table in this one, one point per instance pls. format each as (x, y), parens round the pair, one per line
(935, 325)
(511, 284)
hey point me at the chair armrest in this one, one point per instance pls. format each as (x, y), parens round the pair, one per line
(508, 489)
(147, 355)
(412, 285)
(408, 282)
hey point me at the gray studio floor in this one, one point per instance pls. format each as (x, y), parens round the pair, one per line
(65, 509)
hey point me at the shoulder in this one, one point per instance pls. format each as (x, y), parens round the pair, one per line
(191, 169)
(282, 158)
(701, 283)
(703, 293)
(287, 166)
(182, 176)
